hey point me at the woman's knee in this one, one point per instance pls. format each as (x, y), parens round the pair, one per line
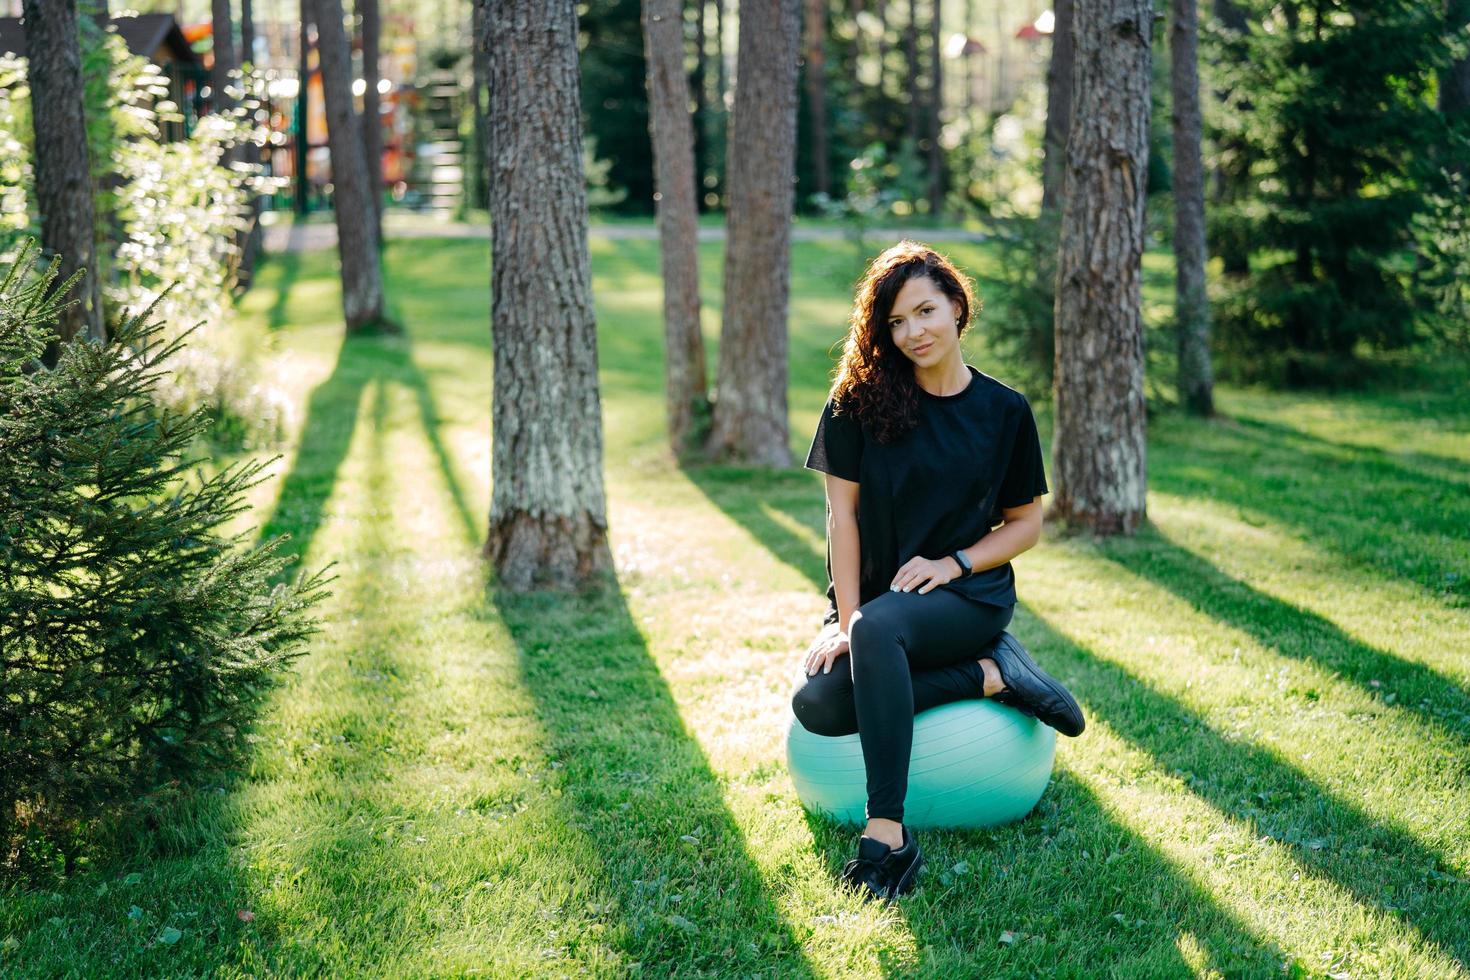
(823, 711)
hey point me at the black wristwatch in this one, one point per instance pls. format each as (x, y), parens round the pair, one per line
(965, 567)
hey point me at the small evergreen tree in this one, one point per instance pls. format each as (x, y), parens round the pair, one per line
(1330, 105)
(136, 637)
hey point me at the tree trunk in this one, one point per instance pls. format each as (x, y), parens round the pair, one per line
(480, 83)
(303, 75)
(372, 130)
(247, 33)
(1098, 445)
(1059, 76)
(1192, 311)
(935, 106)
(750, 404)
(62, 174)
(678, 218)
(222, 75)
(357, 236)
(1454, 81)
(816, 90)
(911, 53)
(700, 84)
(548, 515)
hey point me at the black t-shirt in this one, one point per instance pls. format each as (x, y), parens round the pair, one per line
(937, 488)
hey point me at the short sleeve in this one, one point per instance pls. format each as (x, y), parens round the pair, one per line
(837, 446)
(1025, 476)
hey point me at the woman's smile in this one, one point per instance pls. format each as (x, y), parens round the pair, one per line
(923, 349)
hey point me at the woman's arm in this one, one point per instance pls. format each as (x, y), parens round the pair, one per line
(1021, 530)
(842, 533)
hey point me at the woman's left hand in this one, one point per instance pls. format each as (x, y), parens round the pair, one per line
(925, 573)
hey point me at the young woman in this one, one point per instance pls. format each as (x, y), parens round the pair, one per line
(924, 456)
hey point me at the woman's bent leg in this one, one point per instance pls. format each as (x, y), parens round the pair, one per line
(823, 702)
(891, 637)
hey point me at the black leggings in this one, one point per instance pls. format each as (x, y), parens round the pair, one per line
(908, 653)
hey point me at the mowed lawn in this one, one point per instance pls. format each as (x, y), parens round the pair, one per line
(1275, 779)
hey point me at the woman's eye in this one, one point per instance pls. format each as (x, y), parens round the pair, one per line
(928, 310)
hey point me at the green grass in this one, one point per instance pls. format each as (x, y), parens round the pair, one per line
(1276, 673)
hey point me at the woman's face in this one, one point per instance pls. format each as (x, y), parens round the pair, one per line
(922, 322)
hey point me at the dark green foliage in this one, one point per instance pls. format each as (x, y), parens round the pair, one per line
(1019, 322)
(1330, 130)
(136, 637)
(615, 98)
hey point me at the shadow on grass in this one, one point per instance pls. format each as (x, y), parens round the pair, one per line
(1072, 885)
(1399, 521)
(326, 435)
(289, 262)
(671, 851)
(750, 496)
(1406, 466)
(1296, 633)
(1330, 837)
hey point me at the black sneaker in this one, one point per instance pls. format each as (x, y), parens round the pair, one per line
(1031, 690)
(879, 871)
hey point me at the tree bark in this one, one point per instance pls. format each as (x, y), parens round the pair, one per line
(699, 83)
(372, 130)
(935, 106)
(480, 83)
(815, 32)
(247, 33)
(548, 515)
(357, 236)
(1098, 444)
(1192, 310)
(750, 408)
(226, 63)
(62, 172)
(911, 53)
(1454, 83)
(1059, 76)
(678, 219)
(303, 92)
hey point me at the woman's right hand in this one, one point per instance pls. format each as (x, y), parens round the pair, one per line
(824, 651)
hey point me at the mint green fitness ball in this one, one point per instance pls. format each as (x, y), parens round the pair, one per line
(975, 763)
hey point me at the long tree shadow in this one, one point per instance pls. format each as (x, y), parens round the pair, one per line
(642, 786)
(1437, 700)
(748, 495)
(1408, 466)
(1403, 523)
(326, 434)
(1382, 866)
(1124, 917)
(289, 262)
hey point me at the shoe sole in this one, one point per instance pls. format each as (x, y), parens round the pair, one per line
(1050, 683)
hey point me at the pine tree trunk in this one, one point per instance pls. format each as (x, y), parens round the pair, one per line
(480, 82)
(699, 82)
(1192, 311)
(1059, 76)
(62, 174)
(1098, 444)
(303, 95)
(372, 130)
(247, 33)
(357, 238)
(221, 76)
(911, 53)
(750, 421)
(935, 106)
(815, 33)
(678, 218)
(1454, 81)
(548, 516)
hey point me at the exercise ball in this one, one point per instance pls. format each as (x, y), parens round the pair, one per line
(975, 763)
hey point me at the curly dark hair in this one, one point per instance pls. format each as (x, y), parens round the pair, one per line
(874, 379)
